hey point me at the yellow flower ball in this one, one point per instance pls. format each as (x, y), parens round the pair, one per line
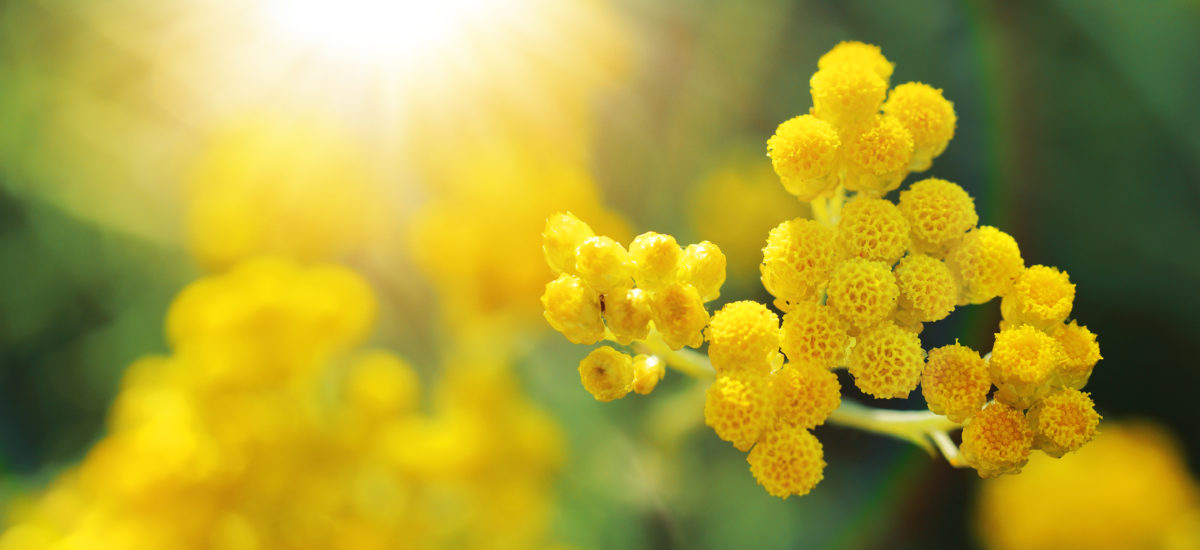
(862, 292)
(704, 268)
(804, 395)
(562, 236)
(1024, 362)
(573, 309)
(877, 158)
(1063, 422)
(603, 264)
(606, 373)
(928, 116)
(679, 315)
(799, 256)
(1042, 296)
(648, 370)
(788, 461)
(656, 260)
(927, 287)
(955, 382)
(873, 229)
(987, 262)
(860, 54)
(627, 314)
(997, 441)
(804, 153)
(1082, 351)
(813, 333)
(738, 409)
(939, 214)
(886, 361)
(847, 96)
(743, 337)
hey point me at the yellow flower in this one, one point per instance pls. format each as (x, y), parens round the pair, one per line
(862, 292)
(813, 333)
(804, 153)
(997, 441)
(1042, 296)
(799, 256)
(927, 287)
(679, 314)
(704, 268)
(648, 370)
(656, 260)
(573, 309)
(873, 229)
(738, 408)
(987, 262)
(1082, 350)
(928, 116)
(858, 53)
(955, 382)
(743, 337)
(562, 236)
(787, 461)
(606, 373)
(847, 96)
(603, 264)
(1024, 361)
(886, 362)
(1063, 422)
(804, 395)
(877, 158)
(627, 314)
(939, 213)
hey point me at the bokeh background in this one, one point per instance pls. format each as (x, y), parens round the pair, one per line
(145, 144)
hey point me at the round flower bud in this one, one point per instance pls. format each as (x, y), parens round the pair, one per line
(955, 382)
(627, 313)
(928, 116)
(873, 229)
(877, 158)
(804, 395)
(886, 361)
(743, 337)
(939, 213)
(679, 315)
(1083, 352)
(656, 260)
(1063, 422)
(804, 153)
(704, 268)
(860, 54)
(997, 441)
(927, 287)
(813, 333)
(1042, 296)
(737, 408)
(788, 461)
(862, 292)
(798, 258)
(573, 309)
(603, 264)
(1024, 362)
(563, 234)
(987, 262)
(606, 373)
(648, 370)
(847, 96)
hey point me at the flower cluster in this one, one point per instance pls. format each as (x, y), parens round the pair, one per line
(856, 285)
(604, 290)
(236, 441)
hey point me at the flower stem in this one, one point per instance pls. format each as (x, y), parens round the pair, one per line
(922, 428)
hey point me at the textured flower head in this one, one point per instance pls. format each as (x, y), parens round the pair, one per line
(877, 158)
(1042, 296)
(804, 153)
(1082, 350)
(814, 334)
(704, 268)
(997, 441)
(886, 362)
(955, 382)
(987, 261)
(606, 373)
(858, 54)
(603, 264)
(1063, 421)
(656, 260)
(873, 229)
(804, 395)
(847, 95)
(627, 314)
(799, 256)
(563, 234)
(1024, 362)
(788, 461)
(862, 292)
(927, 116)
(573, 309)
(743, 337)
(927, 287)
(939, 214)
(738, 409)
(679, 314)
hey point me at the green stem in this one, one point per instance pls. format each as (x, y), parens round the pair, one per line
(687, 361)
(922, 428)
